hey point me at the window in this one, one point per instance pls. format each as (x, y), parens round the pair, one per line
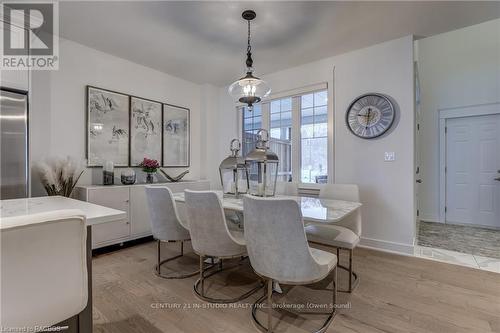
(298, 134)
(252, 122)
(314, 137)
(280, 132)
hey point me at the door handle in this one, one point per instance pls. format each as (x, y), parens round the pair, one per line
(419, 181)
(497, 179)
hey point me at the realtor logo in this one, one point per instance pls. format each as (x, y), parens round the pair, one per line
(29, 35)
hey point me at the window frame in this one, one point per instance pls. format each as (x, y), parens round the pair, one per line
(296, 139)
(327, 136)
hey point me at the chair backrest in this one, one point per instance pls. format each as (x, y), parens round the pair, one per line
(43, 268)
(346, 192)
(210, 235)
(165, 222)
(276, 240)
(287, 188)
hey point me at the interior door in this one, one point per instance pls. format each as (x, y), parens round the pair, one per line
(473, 170)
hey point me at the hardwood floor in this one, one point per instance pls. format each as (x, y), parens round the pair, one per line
(395, 294)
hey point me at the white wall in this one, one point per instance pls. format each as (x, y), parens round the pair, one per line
(58, 107)
(387, 188)
(457, 68)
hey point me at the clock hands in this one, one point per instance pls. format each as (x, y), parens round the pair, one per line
(368, 118)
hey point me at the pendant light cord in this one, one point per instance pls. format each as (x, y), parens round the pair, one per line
(249, 61)
(249, 47)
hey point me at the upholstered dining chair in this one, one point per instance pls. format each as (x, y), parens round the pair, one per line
(211, 237)
(343, 235)
(43, 268)
(287, 188)
(166, 226)
(279, 251)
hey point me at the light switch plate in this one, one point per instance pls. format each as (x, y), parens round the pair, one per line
(389, 156)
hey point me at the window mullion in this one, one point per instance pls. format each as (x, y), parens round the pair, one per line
(296, 139)
(266, 115)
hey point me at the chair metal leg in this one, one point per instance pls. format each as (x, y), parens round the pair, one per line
(199, 285)
(268, 295)
(334, 289)
(353, 276)
(269, 305)
(161, 262)
(350, 270)
(202, 279)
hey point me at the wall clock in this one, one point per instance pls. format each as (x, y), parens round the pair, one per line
(370, 115)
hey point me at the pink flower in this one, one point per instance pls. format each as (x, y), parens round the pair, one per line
(149, 165)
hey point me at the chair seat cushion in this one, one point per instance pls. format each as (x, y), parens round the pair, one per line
(324, 258)
(332, 235)
(237, 236)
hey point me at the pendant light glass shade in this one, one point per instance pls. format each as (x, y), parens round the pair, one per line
(249, 90)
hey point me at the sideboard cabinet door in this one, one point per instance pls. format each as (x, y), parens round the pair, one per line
(113, 197)
(139, 212)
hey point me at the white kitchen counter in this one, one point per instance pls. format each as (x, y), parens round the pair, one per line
(94, 214)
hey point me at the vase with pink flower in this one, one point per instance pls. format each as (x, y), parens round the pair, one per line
(149, 166)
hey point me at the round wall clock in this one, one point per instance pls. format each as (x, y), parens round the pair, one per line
(370, 115)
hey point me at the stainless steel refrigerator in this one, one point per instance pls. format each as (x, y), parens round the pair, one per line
(14, 168)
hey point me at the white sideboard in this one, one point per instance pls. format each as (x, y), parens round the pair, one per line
(131, 199)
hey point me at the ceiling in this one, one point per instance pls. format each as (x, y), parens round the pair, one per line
(205, 42)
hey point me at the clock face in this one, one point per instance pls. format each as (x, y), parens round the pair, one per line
(370, 116)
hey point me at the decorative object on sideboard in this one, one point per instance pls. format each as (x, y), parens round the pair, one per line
(370, 115)
(145, 130)
(233, 172)
(262, 166)
(128, 177)
(108, 173)
(174, 179)
(176, 126)
(59, 175)
(107, 127)
(149, 166)
(249, 89)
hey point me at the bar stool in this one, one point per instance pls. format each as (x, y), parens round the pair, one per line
(166, 226)
(211, 237)
(278, 251)
(43, 268)
(343, 235)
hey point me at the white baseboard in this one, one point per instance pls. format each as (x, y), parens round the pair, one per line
(386, 246)
(430, 219)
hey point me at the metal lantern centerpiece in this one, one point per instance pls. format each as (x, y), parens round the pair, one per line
(262, 164)
(233, 172)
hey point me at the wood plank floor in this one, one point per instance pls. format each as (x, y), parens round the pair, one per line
(395, 294)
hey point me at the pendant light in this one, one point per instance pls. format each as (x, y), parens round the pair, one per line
(249, 89)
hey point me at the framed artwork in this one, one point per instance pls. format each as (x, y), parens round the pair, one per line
(145, 130)
(176, 138)
(107, 127)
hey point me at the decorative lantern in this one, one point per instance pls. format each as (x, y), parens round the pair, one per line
(262, 164)
(233, 172)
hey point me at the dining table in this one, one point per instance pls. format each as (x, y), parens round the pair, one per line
(314, 210)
